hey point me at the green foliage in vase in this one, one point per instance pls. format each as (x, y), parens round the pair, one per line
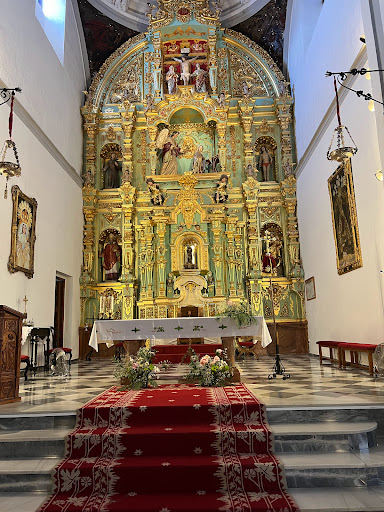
(239, 312)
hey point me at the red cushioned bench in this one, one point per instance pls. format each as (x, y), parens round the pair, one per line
(331, 345)
(355, 349)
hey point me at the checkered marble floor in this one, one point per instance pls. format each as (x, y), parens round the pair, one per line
(309, 385)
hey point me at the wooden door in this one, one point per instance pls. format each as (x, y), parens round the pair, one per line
(58, 339)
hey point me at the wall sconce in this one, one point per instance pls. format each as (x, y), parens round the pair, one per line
(379, 175)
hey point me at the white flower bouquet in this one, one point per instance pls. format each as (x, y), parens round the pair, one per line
(210, 371)
(136, 372)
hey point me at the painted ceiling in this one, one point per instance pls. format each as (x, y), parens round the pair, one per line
(104, 34)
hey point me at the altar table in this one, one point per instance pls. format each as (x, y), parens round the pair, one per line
(107, 331)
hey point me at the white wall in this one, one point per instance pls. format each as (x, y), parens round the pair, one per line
(347, 307)
(50, 156)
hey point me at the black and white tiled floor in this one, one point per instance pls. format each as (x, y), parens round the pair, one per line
(309, 385)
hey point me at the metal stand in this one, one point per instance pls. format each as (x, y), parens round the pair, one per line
(278, 368)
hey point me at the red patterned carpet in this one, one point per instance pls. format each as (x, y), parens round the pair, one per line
(171, 449)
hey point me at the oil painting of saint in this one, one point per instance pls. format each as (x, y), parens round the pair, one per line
(23, 233)
(344, 218)
(166, 142)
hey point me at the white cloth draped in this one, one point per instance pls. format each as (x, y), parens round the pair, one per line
(166, 329)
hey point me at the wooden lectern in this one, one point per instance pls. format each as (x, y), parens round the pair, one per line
(11, 322)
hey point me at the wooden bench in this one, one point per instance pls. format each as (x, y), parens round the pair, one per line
(354, 348)
(332, 345)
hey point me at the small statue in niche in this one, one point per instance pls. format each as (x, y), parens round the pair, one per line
(185, 68)
(221, 195)
(157, 198)
(216, 166)
(170, 284)
(272, 256)
(198, 161)
(210, 284)
(111, 172)
(190, 257)
(265, 162)
(201, 79)
(111, 258)
(288, 168)
(171, 77)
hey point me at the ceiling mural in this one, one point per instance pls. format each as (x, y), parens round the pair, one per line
(266, 28)
(103, 35)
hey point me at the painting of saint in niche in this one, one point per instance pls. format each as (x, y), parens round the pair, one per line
(111, 167)
(344, 219)
(23, 238)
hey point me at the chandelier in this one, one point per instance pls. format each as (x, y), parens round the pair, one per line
(9, 168)
(342, 151)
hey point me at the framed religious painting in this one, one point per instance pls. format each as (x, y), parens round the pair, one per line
(23, 234)
(310, 290)
(344, 219)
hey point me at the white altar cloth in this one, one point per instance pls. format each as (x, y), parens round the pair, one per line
(107, 331)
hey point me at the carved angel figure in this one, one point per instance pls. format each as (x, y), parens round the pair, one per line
(157, 198)
(166, 142)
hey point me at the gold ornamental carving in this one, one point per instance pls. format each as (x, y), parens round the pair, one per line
(188, 199)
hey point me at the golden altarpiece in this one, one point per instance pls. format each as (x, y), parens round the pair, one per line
(189, 157)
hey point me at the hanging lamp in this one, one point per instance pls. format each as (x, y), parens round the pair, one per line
(342, 151)
(9, 169)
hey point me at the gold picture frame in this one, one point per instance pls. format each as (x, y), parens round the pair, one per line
(310, 289)
(344, 219)
(23, 234)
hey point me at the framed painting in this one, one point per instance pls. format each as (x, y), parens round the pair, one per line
(310, 290)
(23, 234)
(344, 219)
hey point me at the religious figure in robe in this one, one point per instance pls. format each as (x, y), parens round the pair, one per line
(221, 195)
(171, 78)
(170, 151)
(201, 79)
(111, 258)
(185, 68)
(23, 246)
(198, 161)
(111, 172)
(190, 257)
(157, 198)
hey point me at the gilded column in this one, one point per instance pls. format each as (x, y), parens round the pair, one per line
(161, 261)
(157, 61)
(212, 43)
(128, 117)
(246, 112)
(239, 259)
(230, 255)
(217, 221)
(221, 130)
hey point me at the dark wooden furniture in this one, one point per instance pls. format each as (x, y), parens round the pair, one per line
(10, 354)
(293, 338)
(25, 360)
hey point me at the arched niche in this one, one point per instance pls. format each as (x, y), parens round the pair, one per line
(276, 248)
(179, 253)
(186, 115)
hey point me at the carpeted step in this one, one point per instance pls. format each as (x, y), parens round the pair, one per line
(147, 475)
(199, 501)
(153, 440)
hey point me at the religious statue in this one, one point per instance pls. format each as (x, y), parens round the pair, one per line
(170, 284)
(170, 151)
(190, 257)
(208, 166)
(201, 76)
(197, 47)
(111, 258)
(157, 198)
(185, 68)
(221, 100)
(111, 172)
(288, 168)
(89, 179)
(272, 255)
(246, 89)
(198, 161)
(216, 166)
(221, 195)
(149, 102)
(250, 171)
(265, 162)
(171, 77)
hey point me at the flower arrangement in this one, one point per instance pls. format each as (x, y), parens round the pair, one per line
(239, 312)
(210, 371)
(136, 372)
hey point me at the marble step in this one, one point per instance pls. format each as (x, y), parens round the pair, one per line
(27, 475)
(33, 443)
(36, 421)
(339, 500)
(324, 437)
(303, 470)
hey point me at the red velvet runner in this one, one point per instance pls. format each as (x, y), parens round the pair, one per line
(171, 449)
